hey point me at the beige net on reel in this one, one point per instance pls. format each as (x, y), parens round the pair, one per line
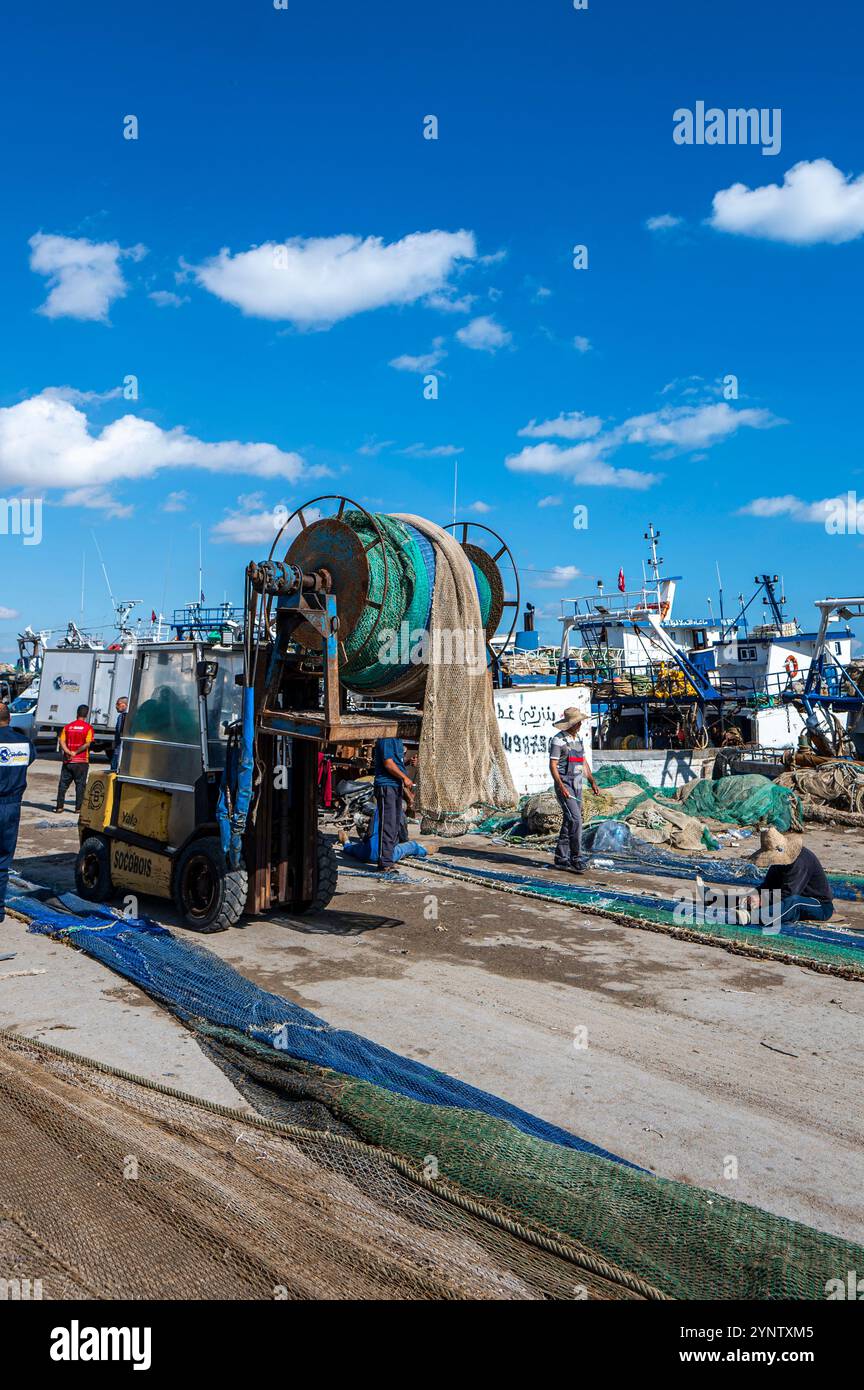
(461, 758)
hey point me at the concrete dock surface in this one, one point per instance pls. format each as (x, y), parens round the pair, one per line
(740, 1075)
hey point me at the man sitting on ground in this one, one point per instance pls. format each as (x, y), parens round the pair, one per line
(796, 874)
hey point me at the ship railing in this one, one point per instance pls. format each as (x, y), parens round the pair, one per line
(593, 608)
(665, 680)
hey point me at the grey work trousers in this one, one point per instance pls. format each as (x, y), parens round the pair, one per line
(568, 851)
(390, 818)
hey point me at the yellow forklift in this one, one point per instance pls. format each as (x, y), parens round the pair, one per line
(215, 799)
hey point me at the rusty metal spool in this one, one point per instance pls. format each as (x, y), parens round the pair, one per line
(328, 544)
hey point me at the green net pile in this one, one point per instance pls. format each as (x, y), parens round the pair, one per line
(750, 799)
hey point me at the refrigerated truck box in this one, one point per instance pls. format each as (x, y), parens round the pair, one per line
(71, 678)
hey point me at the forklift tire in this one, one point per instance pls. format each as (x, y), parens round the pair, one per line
(209, 896)
(93, 870)
(328, 873)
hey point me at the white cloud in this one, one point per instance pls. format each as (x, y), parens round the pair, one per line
(582, 463)
(481, 508)
(674, 430)
(553, 500)
(46, 442)
(581, 344)
(373, 447)
(693, 385)
(437, 451)
(573, 425)
(167, 299)
(84, 276)
(683, 428)
(449, 303)
(252, 523)
(845, 508)
(76, 397)
(422, 363)
(9, 612)
(175, 502)
(664, 223)
(557, 577)
(317, 281)
(815, 202)
(484, 334)
(99, 499)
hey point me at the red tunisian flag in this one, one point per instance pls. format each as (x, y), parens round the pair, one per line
(152, 616)
(621, 585)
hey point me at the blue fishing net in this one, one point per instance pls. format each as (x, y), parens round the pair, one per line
(195, 984)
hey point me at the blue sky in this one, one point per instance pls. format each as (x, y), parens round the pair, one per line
(264, 382)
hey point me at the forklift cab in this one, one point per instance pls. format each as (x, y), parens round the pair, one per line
(184, 697)
(153, 827)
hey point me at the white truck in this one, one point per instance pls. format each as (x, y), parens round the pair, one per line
(81, 676)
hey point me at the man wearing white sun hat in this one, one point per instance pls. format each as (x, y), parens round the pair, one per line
(567, 766)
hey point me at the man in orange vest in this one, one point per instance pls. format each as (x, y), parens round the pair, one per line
(75, 741)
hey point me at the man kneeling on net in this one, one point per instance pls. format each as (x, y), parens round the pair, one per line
(797, 876)
(367, 849)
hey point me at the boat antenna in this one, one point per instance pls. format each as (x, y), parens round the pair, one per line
(720, 593)
(104, 571)
(200, 564)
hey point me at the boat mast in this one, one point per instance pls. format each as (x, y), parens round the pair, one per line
(652, 537)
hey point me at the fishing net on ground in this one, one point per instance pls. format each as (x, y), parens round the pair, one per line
(621, 849)
(750, 799)
(113, 1189)
(623, 796)
(824, 790)
(655, 810)
(830, 948)
(398, 1195)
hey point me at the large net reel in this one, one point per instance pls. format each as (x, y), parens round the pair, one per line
(382, 571)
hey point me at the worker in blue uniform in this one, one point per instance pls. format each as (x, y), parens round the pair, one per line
(16, 755)
(392, 783)
(367, 848)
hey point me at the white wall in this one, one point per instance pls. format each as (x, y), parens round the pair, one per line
(525, 717)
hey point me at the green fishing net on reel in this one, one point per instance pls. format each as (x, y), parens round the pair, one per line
(484, 593)
(408, 599)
